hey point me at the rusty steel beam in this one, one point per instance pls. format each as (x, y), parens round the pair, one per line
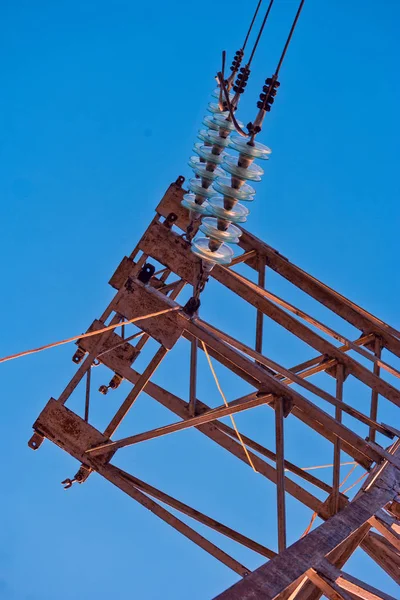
(180, 407)
(289, 376)
(198, 516)
(338, 558)
(374, 393)
(280, 470)
(337, 303)
(261, 379)
(113, 475)
(134, 394)
(269, 580)
(311, 566)
(252, 294)
(234, 407)
(384, 554)
(337, 446)
(345, 308)
(260, 315)
(193, 377)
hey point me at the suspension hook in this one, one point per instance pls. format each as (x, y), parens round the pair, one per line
(67, 483)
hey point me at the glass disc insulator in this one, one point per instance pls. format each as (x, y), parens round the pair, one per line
(257, 151)
(209, 122)
(217, 91)
(222, 256)
(189, 203)
(252, 172)
(206, 153)
(196, 187)
(212, 137)
(220, 120)
(223, 186)
(238, 214)
(213, 107)
(209, 226)
(200, 169)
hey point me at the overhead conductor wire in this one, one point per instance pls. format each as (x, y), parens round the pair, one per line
(232, 105)
(256, 128)
(251, 24)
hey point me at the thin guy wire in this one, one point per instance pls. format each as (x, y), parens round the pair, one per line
(326, 467)
(355, 483)
(315, 514)
(85, 335)
(126, 340)
(227, 405)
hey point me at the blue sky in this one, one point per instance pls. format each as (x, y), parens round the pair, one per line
(99, 109)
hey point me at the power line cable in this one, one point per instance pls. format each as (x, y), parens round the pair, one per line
(251, 25)
(260, 33)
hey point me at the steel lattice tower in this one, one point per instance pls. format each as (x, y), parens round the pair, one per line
(312, 566)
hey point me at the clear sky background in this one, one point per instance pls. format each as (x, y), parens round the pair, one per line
(99, 108)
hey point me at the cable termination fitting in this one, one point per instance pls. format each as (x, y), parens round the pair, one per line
(241, 80)
(267, 97)
(237, 61)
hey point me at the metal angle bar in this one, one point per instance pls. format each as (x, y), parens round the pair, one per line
(288, 377)
(216, 413)
(87, 363)
(87, 395)
(308, 416)
(326, 432)
(328, 330)
(110, 473)
(174, 294)
(169, 286)
(193, 377)
(374, 393)
(320, 362)
(383, 553)
(250, 292)
(132, 397)
(180, 407)
(260, 378)
(346, 582)
(309, 413)
(145, 337)
(337, 445)
(328, 587)
(338, 557)
(289, 466)
(242, 258)
(260, 314)
(391, 536)
(360, 589)
(336, 302)
(342, 553)
(348, 310)
(309, 419)
(280, 471)
(199, 516)
(271, 579)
